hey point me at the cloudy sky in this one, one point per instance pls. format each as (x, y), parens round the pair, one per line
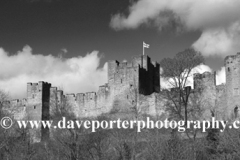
(68, 42)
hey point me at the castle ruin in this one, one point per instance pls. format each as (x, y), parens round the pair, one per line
(126, 83)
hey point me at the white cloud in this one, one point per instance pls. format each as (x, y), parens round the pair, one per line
(221, 76)
(74, 75)
(201, 69)
(219, 21)
(219, 41)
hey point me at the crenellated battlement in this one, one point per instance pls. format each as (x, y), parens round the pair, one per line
(205, 75)
(204, 79)
(141, 72)
(18, 102)
(229, 59)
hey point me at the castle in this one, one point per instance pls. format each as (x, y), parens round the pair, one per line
(126, 83)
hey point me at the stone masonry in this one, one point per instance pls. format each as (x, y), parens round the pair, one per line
(126, 82)
(130, 84)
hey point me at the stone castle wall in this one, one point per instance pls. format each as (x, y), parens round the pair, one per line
(126, 81)
(127, 84)
(225, 97)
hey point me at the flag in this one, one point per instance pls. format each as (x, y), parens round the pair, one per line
(145, 45)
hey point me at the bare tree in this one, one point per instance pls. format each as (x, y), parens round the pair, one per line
(177, 71)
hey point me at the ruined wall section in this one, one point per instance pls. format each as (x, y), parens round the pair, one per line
(93, 103)
(207, 79)
(232, 67)
(15, 108)
(103, 98)
(81, 104)
(205, 88)
(70, 102)
(221, 102)
(153, 104)
(56, 101)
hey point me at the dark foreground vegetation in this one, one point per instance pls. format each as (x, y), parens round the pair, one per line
(120, 144)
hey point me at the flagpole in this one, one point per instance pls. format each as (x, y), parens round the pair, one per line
(143, 49)
(142, 56)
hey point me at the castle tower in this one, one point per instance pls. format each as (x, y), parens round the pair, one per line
(112, 68)
(38, 99)
(205, 86)
(232, 68)
(206, 79)
(127, 80)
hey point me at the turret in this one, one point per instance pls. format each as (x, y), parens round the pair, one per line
(232, 69)
(205, 79)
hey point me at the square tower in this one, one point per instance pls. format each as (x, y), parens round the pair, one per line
(38, 100)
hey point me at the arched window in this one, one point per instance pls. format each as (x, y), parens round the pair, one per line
(228, 69)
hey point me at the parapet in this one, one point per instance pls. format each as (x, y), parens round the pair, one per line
(36, 87)
(229, 59)
(14, 102)
(104, 87)
(123, 64)
(60, 92)
(90, 95)
(70, 96)
(80, 97)
(32, 84)
(113, 64)
(18, 102)
(43, 84)
(144, 61)
(203, 75)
